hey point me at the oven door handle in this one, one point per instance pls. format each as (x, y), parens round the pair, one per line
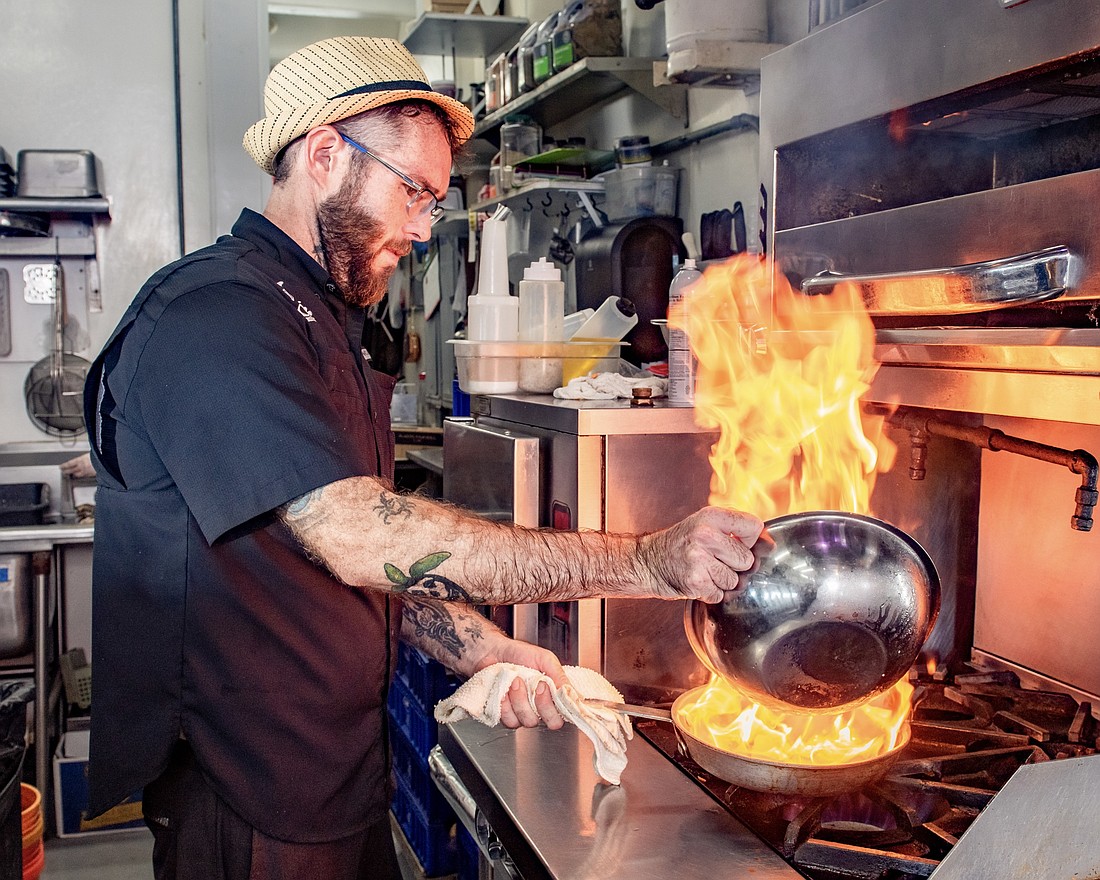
(974, 287)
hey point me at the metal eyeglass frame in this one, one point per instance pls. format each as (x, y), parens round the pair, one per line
(420, 192)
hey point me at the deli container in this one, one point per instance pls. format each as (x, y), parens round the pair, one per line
(489, 367)
(640, 191)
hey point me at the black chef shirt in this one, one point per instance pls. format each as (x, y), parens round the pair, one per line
(233, 384)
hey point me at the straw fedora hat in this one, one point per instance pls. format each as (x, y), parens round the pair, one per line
(337, 78)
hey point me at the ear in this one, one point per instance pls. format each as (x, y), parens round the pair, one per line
(324, 156)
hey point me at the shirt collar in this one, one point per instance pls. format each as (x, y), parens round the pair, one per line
(269, 238)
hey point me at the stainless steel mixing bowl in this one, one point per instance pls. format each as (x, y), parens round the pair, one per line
(835, 611)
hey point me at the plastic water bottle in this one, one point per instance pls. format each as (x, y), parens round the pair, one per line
(681, 361)
(541, 316)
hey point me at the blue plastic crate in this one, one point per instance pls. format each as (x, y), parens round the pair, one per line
(412, 770)
(469, 855)
(434, 843)
(416, 722)
(428, 680)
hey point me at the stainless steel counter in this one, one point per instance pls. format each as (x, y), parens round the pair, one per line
(541, 796)
(585, 417)
(28, 539)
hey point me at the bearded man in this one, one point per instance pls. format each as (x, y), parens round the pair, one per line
(245, 609)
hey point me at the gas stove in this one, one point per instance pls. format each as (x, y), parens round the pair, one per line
(970, 732)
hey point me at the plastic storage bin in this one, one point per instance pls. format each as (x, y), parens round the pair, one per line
(477, 360)
(433, 840)
(641, 191)
(24, 504)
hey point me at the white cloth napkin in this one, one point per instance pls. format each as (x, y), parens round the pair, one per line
(480, 697)
(609, 386)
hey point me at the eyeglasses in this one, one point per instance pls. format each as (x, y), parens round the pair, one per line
(423, 202)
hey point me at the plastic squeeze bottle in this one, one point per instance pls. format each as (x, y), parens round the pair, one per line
(541, 317)
(615, 317)
(681, 361)
(492, 314)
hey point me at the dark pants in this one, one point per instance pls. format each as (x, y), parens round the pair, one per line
(197, 836)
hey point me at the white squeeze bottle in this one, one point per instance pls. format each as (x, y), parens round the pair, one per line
(681, 362)
(615, 317)
(492, 314)
(541, 318)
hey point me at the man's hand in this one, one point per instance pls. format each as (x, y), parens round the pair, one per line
(515, 709)
(79, 467)
(699, 557)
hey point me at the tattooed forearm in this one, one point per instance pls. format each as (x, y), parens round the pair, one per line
(390, 507)
(304, 505)
(420, 582)
(442, 629)
(369, 536)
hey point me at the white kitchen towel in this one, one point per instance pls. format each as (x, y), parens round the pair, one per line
(480, 697)
(609, 386)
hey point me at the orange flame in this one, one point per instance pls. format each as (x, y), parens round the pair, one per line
(781, 375)
(719, 716)
(792, 436)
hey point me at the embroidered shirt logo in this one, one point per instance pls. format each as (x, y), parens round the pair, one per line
(302, 310)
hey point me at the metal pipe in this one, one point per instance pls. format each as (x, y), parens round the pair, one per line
(1078, 460)
(740, 122)
(40, 567)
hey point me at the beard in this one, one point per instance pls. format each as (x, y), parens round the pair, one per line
(350, 238)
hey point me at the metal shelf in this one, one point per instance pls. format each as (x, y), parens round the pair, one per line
(581, 87)
(56, 206)
(551, 196)
(46, 246)
(728, 63)
(467, 36)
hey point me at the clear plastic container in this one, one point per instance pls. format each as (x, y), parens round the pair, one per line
(544, 47)
(478, 363)
(520, 138)
(573, 322)
(541, 318)
(563, 53)
(640, 191)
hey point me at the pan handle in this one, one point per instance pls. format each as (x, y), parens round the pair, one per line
(649, 712)
(975, 287)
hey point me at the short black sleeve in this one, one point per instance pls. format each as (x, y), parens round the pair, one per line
(242, 408)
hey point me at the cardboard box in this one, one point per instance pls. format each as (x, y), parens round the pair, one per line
(70, 785)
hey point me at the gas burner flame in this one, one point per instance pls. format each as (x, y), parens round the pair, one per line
(781, 375)
(718, 715)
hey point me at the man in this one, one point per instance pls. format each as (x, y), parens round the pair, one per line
(253, 566)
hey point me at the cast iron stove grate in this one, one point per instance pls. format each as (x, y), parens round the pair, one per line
(970, 733)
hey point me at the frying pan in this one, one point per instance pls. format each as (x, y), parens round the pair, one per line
(807, 780)
(54, 389)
